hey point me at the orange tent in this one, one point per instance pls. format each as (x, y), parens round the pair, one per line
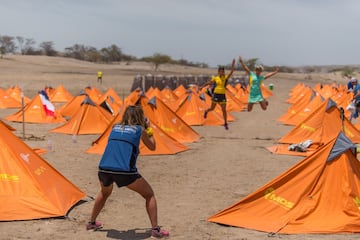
(110, 101)
(16, 93)
(168, 121)
(165, 95)
(94, 93)
(133, 97)
(60, 94)
(192, 112)
(6, 101)
(298, 105)
(296, 117)
(233, 104)
(110, 93)
(322, 126)
(319, 127)
(164, 143)
(70, 108)
(180, 90)
(320, 194)
(34, 112)
(88, 119)
(30, 188)
(297, 92)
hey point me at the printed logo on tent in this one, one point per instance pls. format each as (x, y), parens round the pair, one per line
(305, 127)
(348, 132)
(357, 202)
(270, 195)
(25, 157)
(8, 177)
(40, 170)
(165, 129)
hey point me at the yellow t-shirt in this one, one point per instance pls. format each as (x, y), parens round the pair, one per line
(99, 74)
(220, 82)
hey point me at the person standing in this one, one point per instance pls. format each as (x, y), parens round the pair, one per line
(100, 75)
(219, 91)
(255, 81)
(352, 84)
(118, 164)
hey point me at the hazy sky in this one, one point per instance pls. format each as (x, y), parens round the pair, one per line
(277, 32)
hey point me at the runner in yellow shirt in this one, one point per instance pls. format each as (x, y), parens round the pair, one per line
(219, 97)
(100, 76)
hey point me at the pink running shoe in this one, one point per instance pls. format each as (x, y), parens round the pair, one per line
(94, 226)
(157, 232)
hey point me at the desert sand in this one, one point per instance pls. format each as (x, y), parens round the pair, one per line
(217, 171)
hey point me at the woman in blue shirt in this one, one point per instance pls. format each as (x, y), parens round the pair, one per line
(118, 164)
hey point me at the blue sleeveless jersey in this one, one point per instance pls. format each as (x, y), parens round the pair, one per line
(122, 149)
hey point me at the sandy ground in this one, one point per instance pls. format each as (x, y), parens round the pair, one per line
(217, 171)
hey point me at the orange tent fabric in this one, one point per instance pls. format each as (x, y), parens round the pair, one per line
(164, 143)
(301, 102)
(169, 97)
(94, 93)
(322, 126)
(89, 119)
(296, 117)
(34, 112)
(70, 108)
(168, 121)
(110, 101)
(320, 194)
(6, 101)
(110, 93)
(297, 92)
(16, 93)
(30, 188)
(192, 112)
(180, 90)
(233, 104)
(60, 94)
(165, 95)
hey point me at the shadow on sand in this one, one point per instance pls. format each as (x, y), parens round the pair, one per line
(133, 234)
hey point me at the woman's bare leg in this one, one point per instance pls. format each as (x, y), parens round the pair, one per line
(250, 107)
(142, 187)
(100, 200)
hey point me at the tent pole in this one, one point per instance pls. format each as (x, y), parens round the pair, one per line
(23, 114)
(342, 116)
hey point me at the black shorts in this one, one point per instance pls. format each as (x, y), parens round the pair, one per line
(219, 98)
(107, 178)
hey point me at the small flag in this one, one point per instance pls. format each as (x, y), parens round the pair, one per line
(48, 106)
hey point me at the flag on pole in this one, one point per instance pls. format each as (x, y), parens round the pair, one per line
(48, 106)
